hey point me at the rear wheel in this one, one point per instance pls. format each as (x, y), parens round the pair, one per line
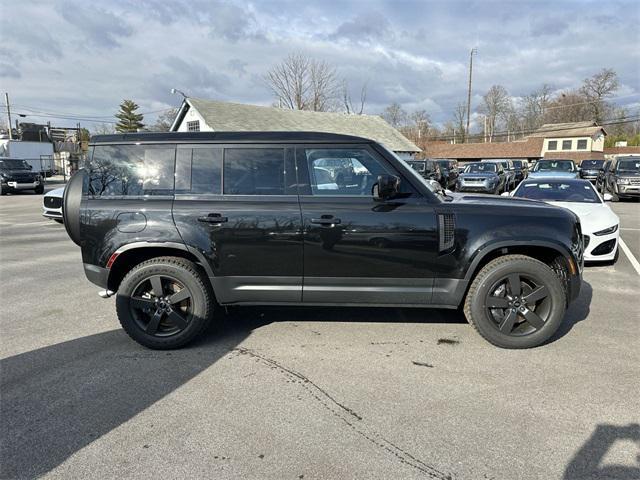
(516, 301)
(165, 302)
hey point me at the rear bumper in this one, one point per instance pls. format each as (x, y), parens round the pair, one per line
(96, 275)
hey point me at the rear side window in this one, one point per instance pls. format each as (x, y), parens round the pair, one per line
(254, 171)
(199, 170)
(129, 170)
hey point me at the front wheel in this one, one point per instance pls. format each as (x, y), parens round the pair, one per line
(39, 189)
(516, 301)
(165, 302)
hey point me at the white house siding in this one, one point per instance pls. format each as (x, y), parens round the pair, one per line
(593, 145)
(191, 116)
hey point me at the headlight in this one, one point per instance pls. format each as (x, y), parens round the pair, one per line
(607, 231)
(623, 181)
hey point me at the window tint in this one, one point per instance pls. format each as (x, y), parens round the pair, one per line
(254, 171)
(116, 170)
(552, 145)
(582, 144)
(340, 171)
(199, 170)
(566, 144)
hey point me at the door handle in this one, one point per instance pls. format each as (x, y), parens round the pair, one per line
(213, 218)
(326, 220)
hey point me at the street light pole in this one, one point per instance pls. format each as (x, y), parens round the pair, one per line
(473, 51)
(6, 102)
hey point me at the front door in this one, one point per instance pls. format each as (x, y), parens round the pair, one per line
(358, 250)
(238, 205)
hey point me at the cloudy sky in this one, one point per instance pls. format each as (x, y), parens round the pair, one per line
(82, 58)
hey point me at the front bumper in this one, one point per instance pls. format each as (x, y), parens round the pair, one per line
(52, 213)
(627, 190)
(601, 248)
(23, 186)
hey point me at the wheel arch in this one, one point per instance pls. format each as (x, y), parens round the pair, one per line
(131, 255)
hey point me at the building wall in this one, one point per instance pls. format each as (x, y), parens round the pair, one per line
(192, 116)
(574, 145)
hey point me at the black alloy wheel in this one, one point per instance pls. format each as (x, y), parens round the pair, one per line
(516, 301)
(518, 304)
(161, 305)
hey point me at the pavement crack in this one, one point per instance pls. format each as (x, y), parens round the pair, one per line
(359, 426)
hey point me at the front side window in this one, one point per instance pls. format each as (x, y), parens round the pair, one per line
(354, 174)
(552, 145)
(566, 144)
(254, 171)
(582, 144)
(126, 170)
(199, 170)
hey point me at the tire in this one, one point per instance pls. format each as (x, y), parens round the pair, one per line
(158, 328)
(39, 189)
(3, 191)
(509, 326)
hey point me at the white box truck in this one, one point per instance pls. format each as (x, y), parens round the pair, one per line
(37, 154)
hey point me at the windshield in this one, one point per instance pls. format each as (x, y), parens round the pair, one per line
(554, 166)
(517, 163)
(592, 164)
(14, 165)
(559, 191)
(444, 164)
(481, 168)
(631, 165)
(418, 166)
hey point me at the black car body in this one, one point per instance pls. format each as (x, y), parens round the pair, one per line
(482, 177)
(428, 169)
(590, 169)
(242, 218)
(622, 177)
(16, 175)
(450, 172)
(521, 170)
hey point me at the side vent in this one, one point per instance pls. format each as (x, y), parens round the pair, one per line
(446, 231)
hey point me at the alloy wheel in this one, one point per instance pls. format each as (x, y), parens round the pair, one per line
(161, 305)
(518, 304)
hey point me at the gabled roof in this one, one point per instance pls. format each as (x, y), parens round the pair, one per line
(527, 148)
(225, 116)
(573, 129)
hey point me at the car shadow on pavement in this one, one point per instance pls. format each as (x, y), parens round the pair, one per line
(58, 399)
(577, 312)
(587, 461)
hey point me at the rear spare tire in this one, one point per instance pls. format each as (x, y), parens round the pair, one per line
(516, 301)
(71, 202)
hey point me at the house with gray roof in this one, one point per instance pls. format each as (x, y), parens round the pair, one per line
(199, 115)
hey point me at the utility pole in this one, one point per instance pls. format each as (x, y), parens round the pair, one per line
(6, 101)
(473, 51)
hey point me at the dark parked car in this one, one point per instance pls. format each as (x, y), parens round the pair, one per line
(521, 170)
(482, 177)
(429, 169)
(509, 171)
(601, 174)
(179, 224)
(449, 169)
(16, 175)
(622, 178)
(590, 169)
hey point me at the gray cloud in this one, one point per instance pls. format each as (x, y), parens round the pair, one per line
(100, 27)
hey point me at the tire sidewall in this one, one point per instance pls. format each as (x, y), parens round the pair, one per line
(541, 273)
(200, 308)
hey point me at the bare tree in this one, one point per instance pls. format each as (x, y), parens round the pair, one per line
(597, 88)
(164, 121)
(460, 121)
(103, 129)
(303, 83)
(496, 105)
(534, 107)
(348, 103)
(568, 106)
(395, 115)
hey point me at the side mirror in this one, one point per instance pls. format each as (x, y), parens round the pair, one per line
(607, 197)
(386, 187)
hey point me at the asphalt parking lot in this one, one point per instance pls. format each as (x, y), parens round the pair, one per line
(307, 393)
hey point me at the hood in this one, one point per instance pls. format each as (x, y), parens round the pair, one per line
(478, 175)
(489, 200)
(553, 174)
(593, 216)
(56, 192)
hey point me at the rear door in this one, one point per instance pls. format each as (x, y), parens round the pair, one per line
(358, 250)
(238, 205)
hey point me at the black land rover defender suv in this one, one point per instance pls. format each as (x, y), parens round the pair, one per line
(178, 224)
(16, 175)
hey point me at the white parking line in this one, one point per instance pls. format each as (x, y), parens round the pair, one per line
(630, 256)
(631, 229)
(7, 224)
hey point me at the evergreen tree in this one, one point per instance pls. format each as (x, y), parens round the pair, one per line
(128, 119)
